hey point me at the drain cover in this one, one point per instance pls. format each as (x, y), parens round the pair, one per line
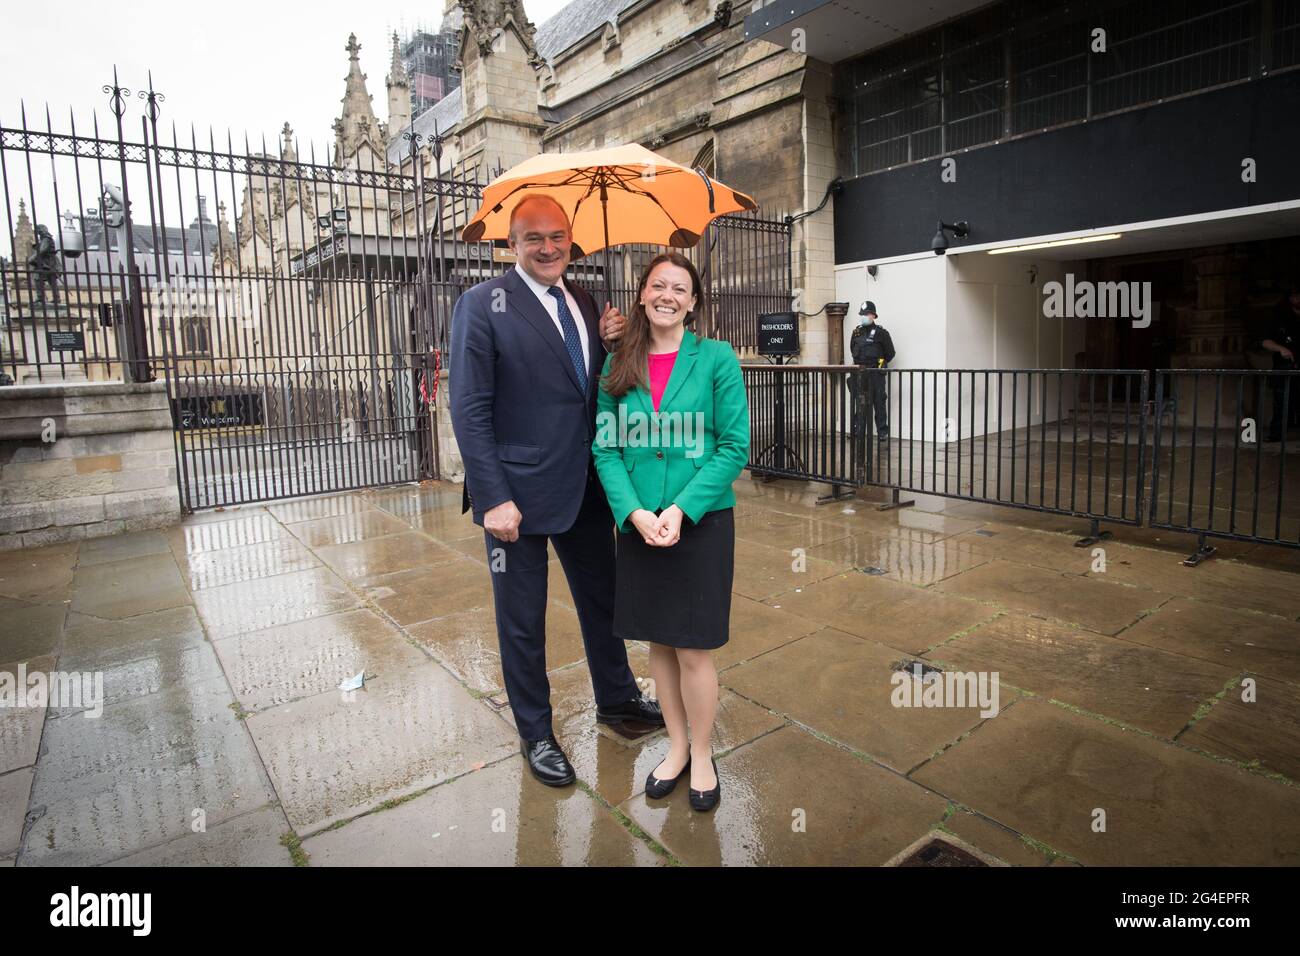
(872, 570)
(911, 667)
(985, 534)
(941, 853)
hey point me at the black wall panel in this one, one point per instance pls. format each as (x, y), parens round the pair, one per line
(1172, 159)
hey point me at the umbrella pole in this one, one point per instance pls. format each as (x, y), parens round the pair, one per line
(604, 215)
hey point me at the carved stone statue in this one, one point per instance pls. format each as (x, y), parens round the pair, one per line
(484, 18)
(44, 266)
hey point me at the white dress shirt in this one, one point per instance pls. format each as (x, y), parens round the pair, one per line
(553, 308)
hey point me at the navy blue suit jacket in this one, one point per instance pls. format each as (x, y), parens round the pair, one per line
(523, 423)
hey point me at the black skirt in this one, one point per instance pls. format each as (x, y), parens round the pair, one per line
(678, 596)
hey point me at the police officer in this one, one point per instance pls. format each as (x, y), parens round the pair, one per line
(871, 347)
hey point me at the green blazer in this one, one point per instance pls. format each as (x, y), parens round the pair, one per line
(689, 452)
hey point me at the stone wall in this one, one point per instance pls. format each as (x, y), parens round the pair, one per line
(83, 461)
(642, 32)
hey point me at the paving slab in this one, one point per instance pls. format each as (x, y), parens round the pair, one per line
(445, 523)
(1044, 549)
(762, 571)
(346, 528)
(758, 628)
(789, 799)
(497, 816)
(38, 575)
(903, 558)
(375, 556)
(278, 664)
(138, 656)
(422, 594)
(30, 630)
(331, 758)
(1102, 606)
(1238, 639)
(878, 609)
(466, 643)
(1264, 732)
(319, 506)
(842, 686)
(121, 589)
(1230, 584)
(787, 532)
(432, 496)
(132, 778)
(1043, 770)
(20, 727)
(210, 569)
(1141, 686)
(215, 531)
(117, 547)
(266, 602)
(15, 789)
(250, 839)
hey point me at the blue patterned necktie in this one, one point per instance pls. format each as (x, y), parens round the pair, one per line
(572, 342)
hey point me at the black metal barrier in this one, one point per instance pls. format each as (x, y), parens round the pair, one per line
(1215, 473)
(799, 420)
(1073, 442)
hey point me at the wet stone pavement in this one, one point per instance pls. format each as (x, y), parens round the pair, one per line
(224, 738)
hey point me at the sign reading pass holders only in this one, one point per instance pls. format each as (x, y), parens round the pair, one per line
(778, 333)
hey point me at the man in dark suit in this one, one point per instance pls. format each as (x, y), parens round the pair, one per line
(526, 350)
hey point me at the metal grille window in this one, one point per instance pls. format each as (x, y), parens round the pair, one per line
(1024, 66)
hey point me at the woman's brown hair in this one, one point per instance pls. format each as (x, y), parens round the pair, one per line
(628, 369)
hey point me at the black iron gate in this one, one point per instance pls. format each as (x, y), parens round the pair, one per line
(297, 307)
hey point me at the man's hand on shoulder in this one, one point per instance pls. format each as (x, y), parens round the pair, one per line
(502, 522)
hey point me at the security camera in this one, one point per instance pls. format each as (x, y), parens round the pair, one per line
(939, 244)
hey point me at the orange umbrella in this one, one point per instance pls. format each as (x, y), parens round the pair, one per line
(612, 196)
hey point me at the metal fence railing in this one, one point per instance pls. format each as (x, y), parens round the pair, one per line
(1214, 471)
(1208, 456)
(1064, 441)
(800, 417)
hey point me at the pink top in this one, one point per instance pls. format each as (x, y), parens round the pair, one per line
(661, 367)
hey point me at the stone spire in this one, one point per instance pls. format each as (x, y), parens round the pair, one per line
(358, 124)
(287, 151)
(224, 248)
(24, 236)
(399, 95)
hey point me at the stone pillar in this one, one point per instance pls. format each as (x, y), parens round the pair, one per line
(835, 312)
(498, 87)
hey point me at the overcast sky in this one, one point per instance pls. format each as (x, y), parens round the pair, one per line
(243, 65)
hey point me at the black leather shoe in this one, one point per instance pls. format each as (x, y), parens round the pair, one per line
(638, 710)
(547, 762)
(705, 800)
(658, 789)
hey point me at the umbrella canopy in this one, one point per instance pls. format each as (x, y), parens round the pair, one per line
(612, 196)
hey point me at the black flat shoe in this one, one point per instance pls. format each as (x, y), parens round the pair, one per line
(638, 710)
(705, 800)
(547, 761)
(657, 789)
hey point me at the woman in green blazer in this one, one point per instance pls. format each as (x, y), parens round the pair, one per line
(672, 434)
